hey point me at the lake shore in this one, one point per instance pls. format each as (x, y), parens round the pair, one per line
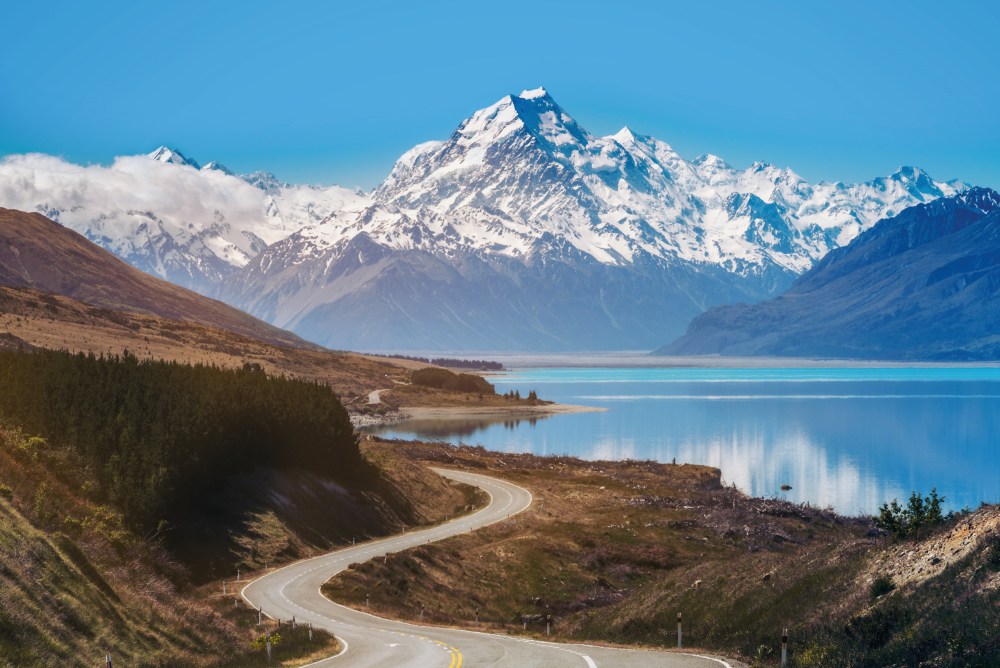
(494, 412)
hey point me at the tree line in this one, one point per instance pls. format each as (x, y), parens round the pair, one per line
(478, 365)
(159, 435)
(443, 379)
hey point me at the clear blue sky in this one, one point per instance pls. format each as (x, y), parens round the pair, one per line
(323, 93)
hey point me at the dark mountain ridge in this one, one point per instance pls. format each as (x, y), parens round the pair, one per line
(924, 284)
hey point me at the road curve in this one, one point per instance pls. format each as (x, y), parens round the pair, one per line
(370, 641)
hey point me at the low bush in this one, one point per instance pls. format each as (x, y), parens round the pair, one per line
(882, 585)
(920, 514)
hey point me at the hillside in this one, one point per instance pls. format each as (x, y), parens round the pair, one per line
(108, 521)
(76, 584)
(35, 319)
(614, 550)
(38, 253)
(923, 285)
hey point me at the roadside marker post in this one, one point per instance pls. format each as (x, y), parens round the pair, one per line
(310, 632)
(260, 615)
(548, 625)
(421, 613)
(784, 649)
(293, 622)
(107, 660)
(268, 641)
(477, 616)
(223, 587)
(680, 639)
(367, 596)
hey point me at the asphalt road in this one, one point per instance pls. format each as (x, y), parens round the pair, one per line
(370, 641)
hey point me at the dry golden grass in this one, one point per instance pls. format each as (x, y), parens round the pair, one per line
(612, 550)
(45, 320)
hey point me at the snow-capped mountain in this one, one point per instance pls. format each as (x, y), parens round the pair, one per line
(524, 231)
(217, 167)
(520, 231)
(165, 214)
(174, 157)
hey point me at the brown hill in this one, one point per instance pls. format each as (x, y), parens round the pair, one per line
(35, 319)
(38, 253)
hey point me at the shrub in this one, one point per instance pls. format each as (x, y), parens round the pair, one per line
(882, 585)
(919, 515)
(260, 642)
(993, 558)
(6, 492)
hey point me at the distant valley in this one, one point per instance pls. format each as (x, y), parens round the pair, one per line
(521, 231)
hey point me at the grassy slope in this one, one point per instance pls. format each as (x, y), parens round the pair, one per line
(46, 320)
(614, 550)
(75, 584)
(39, 253)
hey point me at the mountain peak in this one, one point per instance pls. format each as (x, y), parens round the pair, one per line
(534, 93)
(533, 111)
(625, 136)
(986, 200)
(172, 156)
(908, 173)
(216, 166)
(265, 181)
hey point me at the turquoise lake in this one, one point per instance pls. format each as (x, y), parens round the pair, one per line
(846, 438)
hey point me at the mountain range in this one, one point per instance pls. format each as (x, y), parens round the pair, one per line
(521, 231)
(165, 214)
(924, 284)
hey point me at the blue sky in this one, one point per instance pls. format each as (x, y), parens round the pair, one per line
(320, 92)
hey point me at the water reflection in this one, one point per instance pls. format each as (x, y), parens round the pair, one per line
(451, 429)
(852, 440)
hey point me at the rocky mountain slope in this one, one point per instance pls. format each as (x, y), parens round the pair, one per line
(924, 284)
(40, 254)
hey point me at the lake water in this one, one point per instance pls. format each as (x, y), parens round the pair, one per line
(847, 438)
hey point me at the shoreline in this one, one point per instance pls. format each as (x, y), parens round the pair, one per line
(514, 412)
(407, 413)
(515, 361)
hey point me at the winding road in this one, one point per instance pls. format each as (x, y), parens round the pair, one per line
(370, 641)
